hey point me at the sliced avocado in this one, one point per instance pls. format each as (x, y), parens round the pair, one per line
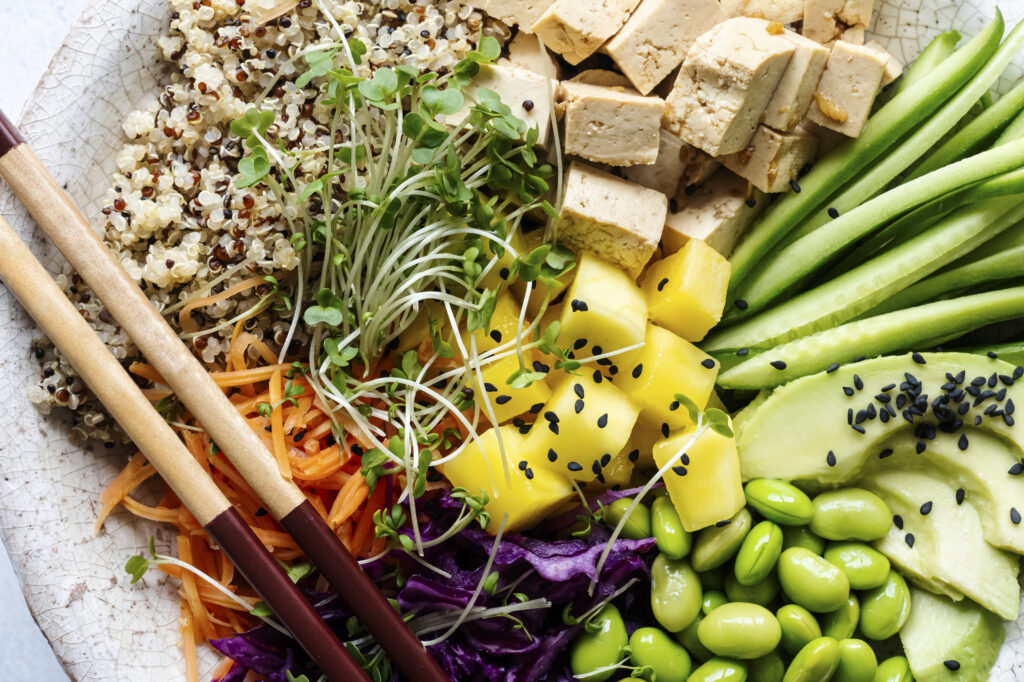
(949, 538)
(819, 430)
(989, 473)
(941, 635)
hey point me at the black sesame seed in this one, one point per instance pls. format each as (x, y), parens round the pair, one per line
(962, 443)
(918, 358)
(602, 421)
(742, 352)
(778, 364)
(708, 363)
(740, 303)
(552, 455)
(553, 427)
(634, 455)
(1018, 372)
(529, 474)
(992, 354)
(662, 283)
(679, 470)
(606, 459)
(1009, 408)
(503, 399)
(579, 306)
(613, 370)
(884, 416)
(1014, 516)
(597, 376)
(595, 466)
(962, 410)
(491, 388)
(860, 358)
(926, 508)
(673, 406)
(795, 186)
(858, 383)
(920, 447)
(1008, 419)
(861, 417)
(578, 406)
(1017, 469)
(830, 458)
(1006, 379)
(952, 664)
(664, 430)
(536, 407)
(909, 539)
(883, 397)
(960, 494)
(751, 202)
(638, 370)
(833, 213)
(495, 335)
(523, 464)
(580, 343)
(885, 453)
(539, 366)
(993, 380)
(849, 416)
(685, 459)
(604, 362)
(897, 521)
(551, 417)
(260, 512)
(977, 420)
(848, 391)
(859, 429)
(574, 466)
(504, 273)
(833, 367)
(723, 523)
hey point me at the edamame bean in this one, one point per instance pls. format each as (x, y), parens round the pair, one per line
(864, 566)
(842, 623)
(816, 662)
(758, 553)
(668, 661)
(857, 662)
(812, 582)
(740, 630)
(801, 536)
(762, 593)
(768, 668)
(779, 501)
(895, 669)
(689, 639)
(638, 525)
(886, 608)
(850, 514)
(712, 600)
(720, 670)
(672, 539)
(799, 627)
(599, 645)
(675, 593)
(717, 544)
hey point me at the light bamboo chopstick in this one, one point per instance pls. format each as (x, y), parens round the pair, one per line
(26, 278)
(73, 236)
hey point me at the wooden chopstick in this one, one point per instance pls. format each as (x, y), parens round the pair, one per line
(47, 202)
(111, 384)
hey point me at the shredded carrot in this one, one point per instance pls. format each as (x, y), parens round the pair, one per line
(146, 372)
(188, 639)
(348, 500)
(246, 376)
(185, 321)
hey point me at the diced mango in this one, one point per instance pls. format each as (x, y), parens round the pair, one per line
(704, 481)
(504, 324)
(582, 427)
(639, 449)
(665, 366)
(686, 291)
(533, 493)
(500, 272)
(507, 402)
(604, 309)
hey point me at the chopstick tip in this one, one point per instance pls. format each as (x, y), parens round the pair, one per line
(9, 135)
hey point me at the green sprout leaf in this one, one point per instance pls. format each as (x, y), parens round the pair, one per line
(719, 422)
(691, 407)
(136, 567)
(253, 168)
(320, 62)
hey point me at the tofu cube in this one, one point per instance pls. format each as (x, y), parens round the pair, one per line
(704, 482)
(699, 169)
(718, 213)
(609, 79)
(665, 366)
(611, 125)
(725, 84)
(782, 11)
(521, 13)
(795, 91)
(664, 175)
(533, 493)
(576, 28)
(893, 66)
(657, 37)
(526, 93)
(618, 220)
(686, 291)
(828, 20)
(581, 428)
(526, 52)
(773, 159)
(847, 89)
(604, 310)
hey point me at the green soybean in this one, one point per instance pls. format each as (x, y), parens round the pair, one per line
(779, 501)
(720, 670)
(689, 639)
(886, 608)
(799, 627)
(850, 514)
(601, 644)
(740, 630)
(895, 669)
(842, 623)
(801, 536)
(672, 539)
(763, 593)
(638, 525)
(857, 662)
(675, 593)
(816, 662)
(717, 544)
(864, 566)
(667, 660)
(712, 600)
(810, 581)
(758, 554)
(767, 668)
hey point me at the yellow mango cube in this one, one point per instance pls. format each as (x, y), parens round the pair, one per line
(665, 366)
(533, 493)
(582, 427)
(686, 291)
(639, 449)
(500, 273)
(504, 325)
(507, 402)
(704, 481)
(604, 310)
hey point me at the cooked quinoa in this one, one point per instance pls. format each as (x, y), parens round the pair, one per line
(173, 214)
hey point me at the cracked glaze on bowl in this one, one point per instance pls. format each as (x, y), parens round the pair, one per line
(100, 627)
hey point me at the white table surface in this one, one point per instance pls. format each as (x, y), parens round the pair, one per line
(33, 31)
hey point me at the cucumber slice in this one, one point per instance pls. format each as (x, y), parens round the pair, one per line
(934, 53)
(1014, 131)
(883, 130)
(1010, 352)
(874, 336)
(859, 290)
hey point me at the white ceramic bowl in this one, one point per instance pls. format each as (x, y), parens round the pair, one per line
(101, 628)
